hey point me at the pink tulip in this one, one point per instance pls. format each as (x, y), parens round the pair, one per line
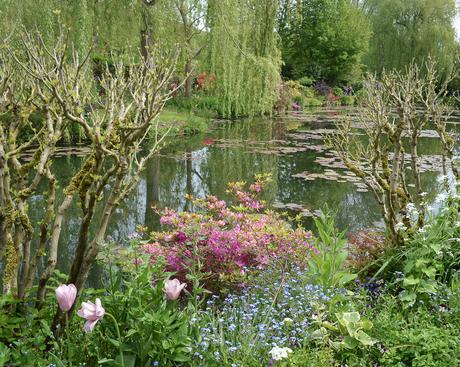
(92, 313)
(66, 295)
(173, 288)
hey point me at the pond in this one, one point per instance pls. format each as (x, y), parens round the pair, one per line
(306, 177)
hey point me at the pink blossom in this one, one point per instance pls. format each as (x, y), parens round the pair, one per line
(256, 188)
(181, 237)
(173, 288)
(66, 295)
(92, 313)
(137, 261)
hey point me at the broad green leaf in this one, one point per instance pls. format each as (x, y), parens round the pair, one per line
(128, 359)
(364, 339)
(349, 342)
(410, 280)
(350, 317)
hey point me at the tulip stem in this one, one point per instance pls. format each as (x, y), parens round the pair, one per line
(119, 337)
(69, 356)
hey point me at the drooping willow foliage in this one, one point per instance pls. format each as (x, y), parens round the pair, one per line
(412, 30)
(243, 55)
(110, 26)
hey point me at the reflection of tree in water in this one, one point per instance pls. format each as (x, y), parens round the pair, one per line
(354, 209)
(207, 168)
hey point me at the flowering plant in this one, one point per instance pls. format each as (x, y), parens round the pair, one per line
(226, 240)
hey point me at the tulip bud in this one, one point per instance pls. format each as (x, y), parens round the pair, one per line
(66, 295)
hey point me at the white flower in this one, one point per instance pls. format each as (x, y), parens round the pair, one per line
(442, 178)
(441, 197)
(288, 320)
(400, 226)
(278, 353)
(410, 207)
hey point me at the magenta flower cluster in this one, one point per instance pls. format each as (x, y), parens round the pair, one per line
(228, 239)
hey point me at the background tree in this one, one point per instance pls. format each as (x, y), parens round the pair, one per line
(42, 90)
(322, 39)
(391, 116)
(243, 55)
(192, 14)
(407, 30)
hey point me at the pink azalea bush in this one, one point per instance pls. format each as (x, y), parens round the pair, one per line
(228, 239)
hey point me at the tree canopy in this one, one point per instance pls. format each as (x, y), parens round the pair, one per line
(322, 39)
(407, 30)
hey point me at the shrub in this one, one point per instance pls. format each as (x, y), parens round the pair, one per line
(327, 263)
(338, 92)
(306, 81)
(313, 102)
(365, 247)
(433, 255)
(225, 240)
(347, 100)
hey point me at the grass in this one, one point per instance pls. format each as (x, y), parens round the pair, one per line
(184, 122)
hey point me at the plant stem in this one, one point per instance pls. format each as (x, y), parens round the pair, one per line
(69, 358)
(119, 337)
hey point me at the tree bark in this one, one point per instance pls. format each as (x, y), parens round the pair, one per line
(53, 252)
(189, 78)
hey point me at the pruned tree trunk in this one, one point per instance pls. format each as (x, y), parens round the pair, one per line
(188, 78)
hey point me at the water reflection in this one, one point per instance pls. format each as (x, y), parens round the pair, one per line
(232, 151)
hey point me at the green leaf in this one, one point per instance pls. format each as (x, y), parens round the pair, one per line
(366, 324)
(349, 342)
(128, 359)
(430, 272)
(347, 277)
(57, 360)
(407, 297)
(105, 360)
(115, 342)
(364, 339)
(350, 317)
(410, 280)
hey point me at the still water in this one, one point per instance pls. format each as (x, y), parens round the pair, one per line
(289, 148)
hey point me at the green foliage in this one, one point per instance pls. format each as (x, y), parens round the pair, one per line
(427, 337)
(311, 357)
(306, 81)
(418, 29)
(347, 100)
(327, 265)
(322, 39)
(152, 328)
(184, 122)
(432, 257)
(199, 104)
(354, 328)
(313, 102)
(243, 55)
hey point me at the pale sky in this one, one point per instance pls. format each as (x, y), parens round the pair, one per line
(457, 20)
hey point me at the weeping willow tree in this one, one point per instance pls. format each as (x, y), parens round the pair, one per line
(243, 55)
(407, 30)
(108, 26)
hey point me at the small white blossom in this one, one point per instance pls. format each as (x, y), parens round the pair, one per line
(441, 197)
(442, 178)
(278, 353)
(288, 320)
(410, 207)
(400, 226)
